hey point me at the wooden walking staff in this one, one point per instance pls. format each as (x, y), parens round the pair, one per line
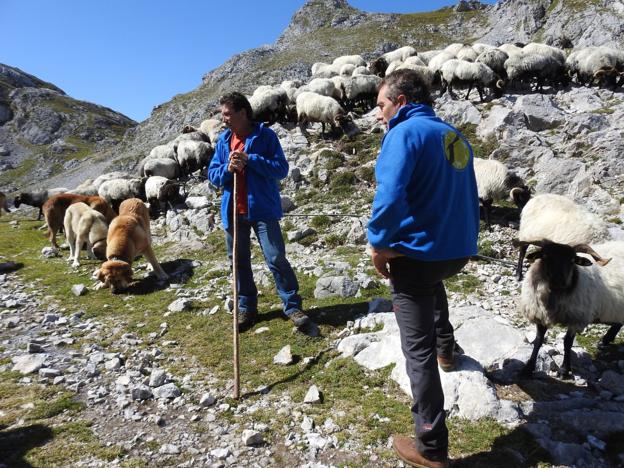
(235, 286)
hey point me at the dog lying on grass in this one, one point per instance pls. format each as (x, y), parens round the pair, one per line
(128, 236)
(84, 224)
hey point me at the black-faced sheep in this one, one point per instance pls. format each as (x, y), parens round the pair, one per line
(564, 288)
(162, 193)
(269, 104)
(37, 199)
(462, 74)
(555, 217)
(495, 182)
(603, 66)
(193, 156)
(212, 128)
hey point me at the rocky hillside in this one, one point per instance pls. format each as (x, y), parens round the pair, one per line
(44, 132)
(323, 29)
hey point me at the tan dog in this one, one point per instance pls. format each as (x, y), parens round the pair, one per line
(128, 236)
(54, 210)
(84, 224)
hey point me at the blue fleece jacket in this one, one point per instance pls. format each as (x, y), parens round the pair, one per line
(265, 167)
(426, 205)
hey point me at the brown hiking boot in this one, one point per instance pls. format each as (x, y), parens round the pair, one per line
(299, 319)
(405, 448)
(447, 364)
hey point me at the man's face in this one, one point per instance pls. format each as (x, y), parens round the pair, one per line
(234, 120)
(387, 108)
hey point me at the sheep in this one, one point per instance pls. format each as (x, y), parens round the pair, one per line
(162, 167)
(325, 70)
(480, 47)
(564, 288)
(393, 66)
(110, 176)
(468, 74)
(535, 69)
(510, 49)
(596, 64)
(454, 48)
(117, 190)
(85, 188)
(212, 128)
(436, 62)
(543, 49)
(312, 107)
(555, 217)
(495, 182)
(193, 155)
(37, 199)
(163, 151)
(4, 204)
(414, 60)
(495, 59)
(467, 53)
(360, 90)
(379, 65)
(323, 86)
(290, 86)
(361, 71)
(427, 55)
(269, 104)
(347, 69)
(161, 192)
(425, 73)
(355, 60)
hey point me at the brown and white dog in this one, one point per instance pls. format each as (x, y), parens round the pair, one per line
(55, 207)
(84, 224)
(128, 236)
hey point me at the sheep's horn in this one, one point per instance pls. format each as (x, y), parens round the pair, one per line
(500, 84)
(586, 249)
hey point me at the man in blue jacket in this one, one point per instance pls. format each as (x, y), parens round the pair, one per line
(254, 152)
(423, 229)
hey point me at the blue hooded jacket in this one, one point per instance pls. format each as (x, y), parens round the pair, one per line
(265, 167)
(426, 205)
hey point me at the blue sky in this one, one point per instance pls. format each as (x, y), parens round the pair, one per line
(131, 55)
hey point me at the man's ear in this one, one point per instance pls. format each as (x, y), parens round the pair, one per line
(401, 99)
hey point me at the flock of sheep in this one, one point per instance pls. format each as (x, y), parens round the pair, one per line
(349, 83)
(562, 286)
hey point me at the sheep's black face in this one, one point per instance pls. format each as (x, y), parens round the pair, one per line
(559, 262)
(18, 201)
(521, 196)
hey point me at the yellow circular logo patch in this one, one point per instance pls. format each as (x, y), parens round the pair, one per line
(456, 150)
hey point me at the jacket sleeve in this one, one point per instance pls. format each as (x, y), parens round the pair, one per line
(272, 163)
(395, 166)
(217, 169)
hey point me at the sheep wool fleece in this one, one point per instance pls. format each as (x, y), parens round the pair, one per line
(265, 167)
(426, 206)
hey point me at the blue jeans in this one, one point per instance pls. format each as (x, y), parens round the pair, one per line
(271, 241)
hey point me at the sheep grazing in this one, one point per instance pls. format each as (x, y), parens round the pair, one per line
(355, 60)
(163, 151)
(55, 207)
(193, 156)
(510, 49)
(380, 65)
(564, 288)
(110, 176)
(325, 70)
(322, 86)
(495, 59)
(312, 107)
(427, 55)
(480, 47)
(454, 48)
(435, 64)
(467, 53)
(495, 182)
(459, 73)
(85, 188)
(425, 73)
(347, 69)
(555, 217)
(37, 199)
(360, 91)
(4, 204)
(116, 191)
(212, 128)
(535, 69)
(358, 71)
(601, 65)
(161, 167)
(269, 104)
(162, 193)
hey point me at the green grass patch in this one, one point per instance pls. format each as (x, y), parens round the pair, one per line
(464, 283)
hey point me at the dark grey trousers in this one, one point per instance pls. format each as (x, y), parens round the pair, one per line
(421, 311)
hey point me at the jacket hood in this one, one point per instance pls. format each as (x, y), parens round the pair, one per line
(410, 110)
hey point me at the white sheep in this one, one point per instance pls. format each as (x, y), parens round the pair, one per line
(324, 87)
(363, 70)
(480, 47)
(459, 73)
(564, 288)
(603, 65)
(161, 192)
(117, 190)
(536, 69)
(355, 60)
(496, 182)
(495, 59)
(162, 167)
(427, 55)
(269, 104)
(85, 188)
(544, 49)
(163, 151)
(99, 180)
(380, 64)
(360, 90)
(193, 156)
(467, 53)
(454, 48)
(312, 107)
(438, 60)
(325, 70)
(212, 128)
(425, 73)
(347, 69)
(559, 219)
(510, 49)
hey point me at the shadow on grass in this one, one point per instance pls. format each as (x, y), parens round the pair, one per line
(15, 443)
(179, 271)
(503, 215)
(9, 267)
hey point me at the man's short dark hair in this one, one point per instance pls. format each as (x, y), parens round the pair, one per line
(410, 84)
(237, 101)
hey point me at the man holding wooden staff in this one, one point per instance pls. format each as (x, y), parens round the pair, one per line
(254, 153)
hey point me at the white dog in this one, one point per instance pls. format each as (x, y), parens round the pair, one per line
(84, 224)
